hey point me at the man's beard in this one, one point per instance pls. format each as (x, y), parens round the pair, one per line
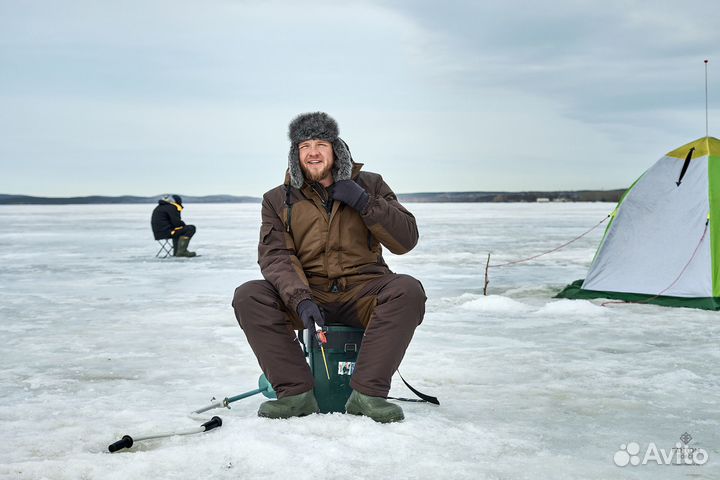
(316, 176)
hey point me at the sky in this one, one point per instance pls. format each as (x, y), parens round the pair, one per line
(146, 97)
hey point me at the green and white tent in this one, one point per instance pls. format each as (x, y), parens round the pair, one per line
(662, 244)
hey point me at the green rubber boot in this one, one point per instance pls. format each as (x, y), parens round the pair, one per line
(376, 408)
(182, 249)
(292, 406)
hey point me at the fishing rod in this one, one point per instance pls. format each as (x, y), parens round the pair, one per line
(321, 339)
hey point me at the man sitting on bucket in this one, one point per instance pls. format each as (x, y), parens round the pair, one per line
(320, 253)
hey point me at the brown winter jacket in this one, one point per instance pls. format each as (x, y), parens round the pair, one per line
(299, 239)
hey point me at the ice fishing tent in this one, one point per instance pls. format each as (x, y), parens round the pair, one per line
(662, 244)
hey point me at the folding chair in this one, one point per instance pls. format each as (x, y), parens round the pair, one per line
(166, 248)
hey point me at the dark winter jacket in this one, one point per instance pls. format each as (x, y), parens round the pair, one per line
(300, 239)
(166, 218)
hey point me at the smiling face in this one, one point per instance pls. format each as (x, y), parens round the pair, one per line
(316, 161)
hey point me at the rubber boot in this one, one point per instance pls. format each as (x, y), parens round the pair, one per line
(376, 408)
(182, 249)
(292, 406)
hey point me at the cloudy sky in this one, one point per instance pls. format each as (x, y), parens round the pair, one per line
(145, 97)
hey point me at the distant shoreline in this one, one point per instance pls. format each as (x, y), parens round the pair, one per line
(515, 197)
(428, 197)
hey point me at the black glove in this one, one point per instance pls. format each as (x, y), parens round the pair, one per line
(351, 194)
(310, 314)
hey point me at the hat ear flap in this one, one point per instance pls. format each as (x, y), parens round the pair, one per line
(296, 175)
(342, 170)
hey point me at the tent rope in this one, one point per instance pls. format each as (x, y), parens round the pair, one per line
(554, 249)
(682, 272)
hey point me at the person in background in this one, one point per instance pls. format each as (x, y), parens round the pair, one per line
(320, 252)
(166, 223)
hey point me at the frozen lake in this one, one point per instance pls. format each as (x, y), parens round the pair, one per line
(100, 339)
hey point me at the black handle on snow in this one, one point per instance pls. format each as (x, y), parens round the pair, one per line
(214, 422)
(125, 442)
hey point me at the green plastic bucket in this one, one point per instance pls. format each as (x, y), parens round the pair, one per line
(341, 351)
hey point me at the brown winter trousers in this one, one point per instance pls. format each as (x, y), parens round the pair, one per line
(389, 306)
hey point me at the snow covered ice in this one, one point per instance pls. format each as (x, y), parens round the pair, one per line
(100, 339)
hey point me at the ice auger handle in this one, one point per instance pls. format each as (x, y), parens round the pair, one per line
(214, 422)
(125, 442)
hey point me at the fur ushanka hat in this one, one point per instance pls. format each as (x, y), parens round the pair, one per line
(317, 126)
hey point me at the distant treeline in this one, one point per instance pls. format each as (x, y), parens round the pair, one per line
(432, 197)
(96, 199)
(499, 197)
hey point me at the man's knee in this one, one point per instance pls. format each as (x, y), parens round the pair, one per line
(247, 293)
(411, 288)
(257, 303)
(413, 295)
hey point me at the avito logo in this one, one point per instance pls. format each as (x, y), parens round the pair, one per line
(680, 454)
